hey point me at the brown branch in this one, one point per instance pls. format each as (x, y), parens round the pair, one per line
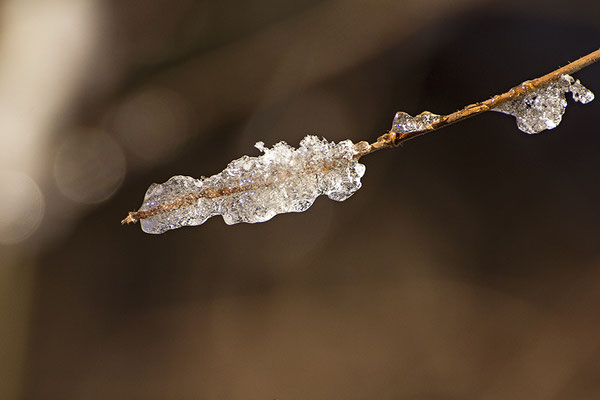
(393, 139)
(191, 199)
(389, 139)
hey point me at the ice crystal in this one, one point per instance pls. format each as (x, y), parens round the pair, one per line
(404, 122)
(543, 109)
(255, 189)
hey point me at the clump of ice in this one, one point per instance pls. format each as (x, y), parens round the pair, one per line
(543, 109)
(255, 189)
(404, 122)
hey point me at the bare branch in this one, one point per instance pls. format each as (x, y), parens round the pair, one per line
(284, 179)
(394, 139)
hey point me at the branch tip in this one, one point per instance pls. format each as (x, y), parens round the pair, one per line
(130, 219)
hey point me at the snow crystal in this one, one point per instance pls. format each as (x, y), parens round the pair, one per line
(543, 109)
(255, 189)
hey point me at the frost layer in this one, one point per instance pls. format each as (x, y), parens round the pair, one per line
(544, 108)
(255, 189)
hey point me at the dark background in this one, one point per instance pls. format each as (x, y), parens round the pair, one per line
(467, 267)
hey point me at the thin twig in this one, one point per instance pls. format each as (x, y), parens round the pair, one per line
(393, 139)
(388, 140)
(191, 199)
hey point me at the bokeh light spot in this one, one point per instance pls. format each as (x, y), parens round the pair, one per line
(21, 206)
(89, 166)
(153, 124)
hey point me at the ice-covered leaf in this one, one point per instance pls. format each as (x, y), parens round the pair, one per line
(255, 189)
(543, 109)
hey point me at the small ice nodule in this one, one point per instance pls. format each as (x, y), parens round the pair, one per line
(255, 189)
(404, 122)
(543, 109)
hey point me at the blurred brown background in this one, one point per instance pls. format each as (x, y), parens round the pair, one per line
(467, 267)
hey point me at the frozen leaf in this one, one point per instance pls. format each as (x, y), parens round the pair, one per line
(255, 189)
(543, 109)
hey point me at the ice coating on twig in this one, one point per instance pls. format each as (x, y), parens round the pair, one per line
(404, 122)
(543, 109)
(255, 189)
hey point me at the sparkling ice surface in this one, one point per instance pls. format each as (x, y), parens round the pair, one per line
(255, 189)
(404, 122)
(544, 108)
